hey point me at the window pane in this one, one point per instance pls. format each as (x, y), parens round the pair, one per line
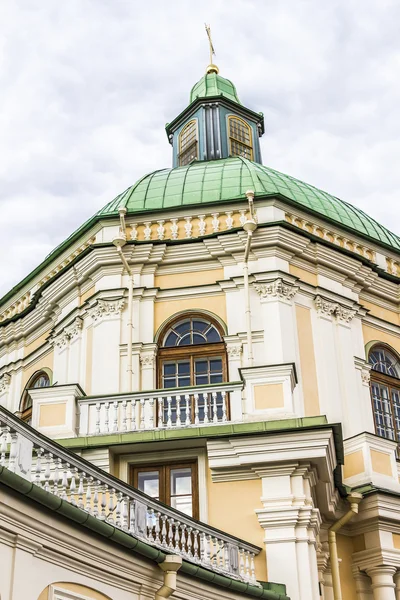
(171, 339)
(213, 336)
(169, 369)
(181, 481)
(184, 368)
(182, 327)
(200, 326)
(170, 383)
(198, 339)
(185, 340)
(183, 503)
(183, 381)
(216, 364)
(384, 362)
(149, 483)
(201, 366)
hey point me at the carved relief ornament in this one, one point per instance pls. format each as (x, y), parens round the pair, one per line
(5, 381)
(277, 289)
(106, 308)
(329, 308)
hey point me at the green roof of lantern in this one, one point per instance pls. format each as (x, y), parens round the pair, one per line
(211, 85)
(228, 179)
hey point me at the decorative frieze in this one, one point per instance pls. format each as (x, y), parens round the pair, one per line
(148, 360)
(5, 381)
(106, 308)
(276, 289)
(328, 308)
(234, 351)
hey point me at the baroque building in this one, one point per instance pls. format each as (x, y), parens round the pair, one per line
(200, 388)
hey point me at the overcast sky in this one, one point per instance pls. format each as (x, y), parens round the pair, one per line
(86, 87)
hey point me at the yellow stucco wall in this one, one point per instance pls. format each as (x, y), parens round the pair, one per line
(381, 462)
(373, 334)
(304, 275)
(230, 499)
(78, 589)
(382, 313)
(353, 464)
(51, 415)
(165, 309)
(268, 395)
(345, 551)
(29, 348)
(44, 361)
(307, 361)
(178, 280)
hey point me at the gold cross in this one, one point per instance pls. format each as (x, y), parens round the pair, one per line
(212, 51)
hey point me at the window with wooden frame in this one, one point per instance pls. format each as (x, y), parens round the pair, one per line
(188, 144)
(240, 138)
(193, 354)
(385, 391)
(38, 380)
(175, 484)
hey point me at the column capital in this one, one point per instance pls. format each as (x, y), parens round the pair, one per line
(276, 289)
(382, 576)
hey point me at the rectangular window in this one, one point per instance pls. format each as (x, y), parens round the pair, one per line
(173, 484)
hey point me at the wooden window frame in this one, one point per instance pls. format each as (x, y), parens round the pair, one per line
(390, 382)
(26, 413)
(194, 144)
(164, 470)
(232, 138)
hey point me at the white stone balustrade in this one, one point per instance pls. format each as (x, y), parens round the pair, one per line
(34, 457)
(168, 408)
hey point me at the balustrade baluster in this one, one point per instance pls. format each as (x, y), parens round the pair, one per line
(132, 517)
(104, 502)
(247, 565)
(224, 407)
(111, 505)
(64, 481)
(164, 530)
(215, 222)
(207, 556)
(214, 552)
(118, 510)
(115, 415)
(160, 411)
(134, 232)
(107, 417)
(147, 230)
(196, 409)
(205, 399)
(171, 533)
(227, 563)
(150, 524)
(214, 401)
(4, 437)
(196, 544)
(98, 408)
(189, 542)
(242, 217)
(124, 418)
(241, 563)
(169, 411)
(183, 538)
(38, 468)
(125, 513)
(133, 415)
(88, 504)
(229, 220)
(174, 229)
(151, 418)
(81, 490)
(178, 410)
(72, 486)
(56, 475)
(252, 569)
(202, 225)
(177, 526)
(188, 227)
(141, 413)
(48, 457)
(157, 527)
(187, 410)
(96, 487)
(160, 230)
(13, 452)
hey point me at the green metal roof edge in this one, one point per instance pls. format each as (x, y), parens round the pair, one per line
(81, 517)
(210, 431)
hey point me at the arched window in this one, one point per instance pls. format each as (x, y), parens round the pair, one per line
(193, 354)
(38, 380)
(385, 392)
(240, 138)
(188, 146)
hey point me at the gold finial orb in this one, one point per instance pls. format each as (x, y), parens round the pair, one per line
(212, 69)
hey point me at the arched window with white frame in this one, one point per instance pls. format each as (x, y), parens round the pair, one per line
(385, 391)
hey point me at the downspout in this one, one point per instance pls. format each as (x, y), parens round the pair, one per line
(170, 566)
(249, 226)
(354, 500)
(119, 242)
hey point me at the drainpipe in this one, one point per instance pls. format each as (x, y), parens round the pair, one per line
(170, 566)
(119, 241)
(354, 500)
(249, 226)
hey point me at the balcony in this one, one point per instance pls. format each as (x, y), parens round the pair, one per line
(73, 481)
(161, 409)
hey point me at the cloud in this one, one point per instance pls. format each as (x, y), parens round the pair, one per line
(88, 85)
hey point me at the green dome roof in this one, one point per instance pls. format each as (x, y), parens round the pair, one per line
(212, 85)
(228, 179)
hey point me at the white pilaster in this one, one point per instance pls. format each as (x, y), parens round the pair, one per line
(148, 366)
(234, 349)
